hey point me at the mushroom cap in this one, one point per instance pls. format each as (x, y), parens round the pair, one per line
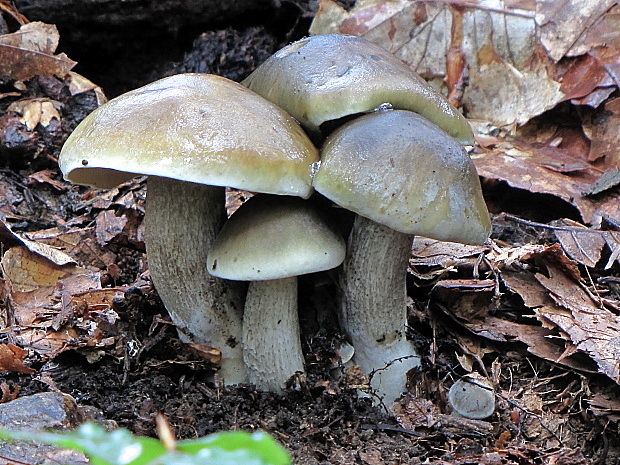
(272, 238)
(472, 397)
(193, 127)
(400, 170)
(327, 77)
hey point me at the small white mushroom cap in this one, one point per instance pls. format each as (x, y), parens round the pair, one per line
(327, 77)
(400, 170)
(273, 238)
(192, 127)
(473, 397)
(270, 240)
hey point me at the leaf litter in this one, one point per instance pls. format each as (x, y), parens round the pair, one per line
(538, 319)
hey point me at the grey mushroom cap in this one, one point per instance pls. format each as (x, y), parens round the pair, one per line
(472, 397)
(193, 127)
(327, 77)
(272, 237)
(400, 170)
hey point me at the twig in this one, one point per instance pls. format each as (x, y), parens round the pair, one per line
(396, 429)
(554, 228)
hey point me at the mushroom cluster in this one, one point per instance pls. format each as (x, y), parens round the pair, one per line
(192, 134)
(396, 161)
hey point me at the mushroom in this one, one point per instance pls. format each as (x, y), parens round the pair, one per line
(402, 175)
(328, 77)
(189, 133)
(473, 397)
(269, 241)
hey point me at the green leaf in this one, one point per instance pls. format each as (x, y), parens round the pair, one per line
(120, 447)
(259, 445)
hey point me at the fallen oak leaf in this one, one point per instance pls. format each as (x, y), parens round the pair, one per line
(579, 243)
(28, 270)
(558, 29)
(511, 79)
(12, 359)
(592, 329)
(21, 65)
(601, 128)
(29, 52)
(541, 342)
(79, 243)
(527, 166)
(46, 177)
(78, 84)
(9, 238)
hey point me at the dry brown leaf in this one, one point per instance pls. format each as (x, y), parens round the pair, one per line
(601, 127)
(510, 79)
(502, 57)
(40, 298)
(109, 226)
(576, 331)
(559, 27)
(415, 412)
(467, 299)
(470, 308)
(431, 252)
(34, 37)
(28, 270)
(613, 241)
(47, 177)
(541, 342)
(79, 243)
(53, 254)
(32, 112)
(507, 256)
(582, 78)
(29, 52)
(12, 359)
(605, 403)
(78, 84)
(46, 342)
(549, 170)
(592, 329)
(580, 243)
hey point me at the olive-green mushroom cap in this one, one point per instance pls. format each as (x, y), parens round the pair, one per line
(192, 127)
(327, 77)
(398, 169)
(272, 238)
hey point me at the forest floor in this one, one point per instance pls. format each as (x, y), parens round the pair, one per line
(471, 309)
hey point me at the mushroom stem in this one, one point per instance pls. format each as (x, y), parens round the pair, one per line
(373, 310)
(206, 310)
(271, 343)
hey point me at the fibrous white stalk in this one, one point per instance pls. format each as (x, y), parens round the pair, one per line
(271, 342)
(182, 221)
(373, 310)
